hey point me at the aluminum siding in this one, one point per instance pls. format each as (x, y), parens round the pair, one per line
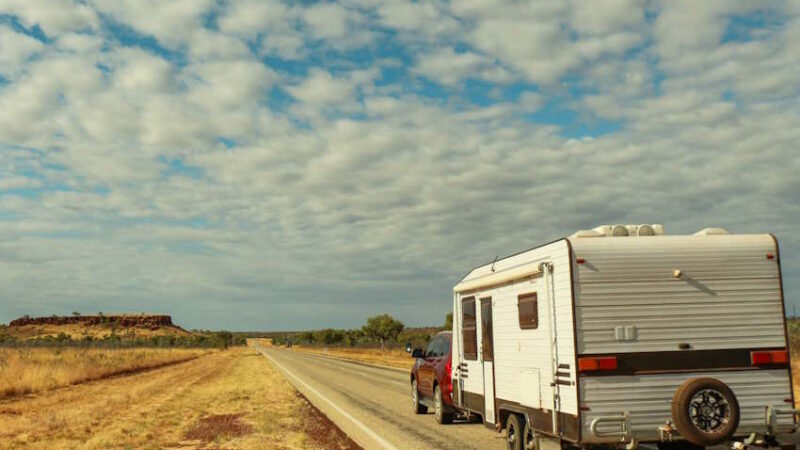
(728, 295)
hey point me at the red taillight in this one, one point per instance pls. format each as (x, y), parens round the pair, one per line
(770, 256)
(767, 357)
(594, 364)
(447, 383)
(580, 260)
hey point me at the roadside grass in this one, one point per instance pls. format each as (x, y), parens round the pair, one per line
(389, 357)
(221, 400)
(29, 370)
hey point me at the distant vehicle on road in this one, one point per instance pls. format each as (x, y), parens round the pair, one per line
(431, 378)
(622, 335)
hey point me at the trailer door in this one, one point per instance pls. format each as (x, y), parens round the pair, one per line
(487, 358)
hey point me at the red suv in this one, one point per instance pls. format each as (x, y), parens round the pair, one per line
(431, 383)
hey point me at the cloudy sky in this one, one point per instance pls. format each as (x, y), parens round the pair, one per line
(274, 165)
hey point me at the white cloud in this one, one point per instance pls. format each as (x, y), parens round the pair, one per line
(53, 16)
(322, 88)
(172, 23)
(15, 49)
(449, 67)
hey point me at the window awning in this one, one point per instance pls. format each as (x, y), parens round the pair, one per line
(495, 279)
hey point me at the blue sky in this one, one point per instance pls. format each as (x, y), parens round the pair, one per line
(273, 165)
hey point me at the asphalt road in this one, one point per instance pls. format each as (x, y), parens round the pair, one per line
(373, 405)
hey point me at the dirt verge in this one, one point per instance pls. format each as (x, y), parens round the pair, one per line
(321, 430)
(218, 426)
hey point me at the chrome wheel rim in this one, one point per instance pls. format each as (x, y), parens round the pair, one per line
(709, 411)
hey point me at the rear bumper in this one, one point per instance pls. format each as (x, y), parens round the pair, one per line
(647, 399)
(617, 429)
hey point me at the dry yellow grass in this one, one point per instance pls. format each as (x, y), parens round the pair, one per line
(26, 370)
(389, 357)
(224, 399)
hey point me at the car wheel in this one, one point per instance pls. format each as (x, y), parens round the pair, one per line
(529, 441)
(705, 411)
(514, 432)
(418, 407)
(438, 408)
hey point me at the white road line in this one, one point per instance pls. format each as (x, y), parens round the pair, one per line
(383, 442)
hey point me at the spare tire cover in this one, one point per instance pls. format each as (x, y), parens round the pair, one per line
(705, 411)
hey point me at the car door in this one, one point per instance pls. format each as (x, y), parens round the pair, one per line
(426, 368)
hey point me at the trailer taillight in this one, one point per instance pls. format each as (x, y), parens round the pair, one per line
(595, 364)
(768, 357)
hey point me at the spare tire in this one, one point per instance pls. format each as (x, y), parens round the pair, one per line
(705, 411)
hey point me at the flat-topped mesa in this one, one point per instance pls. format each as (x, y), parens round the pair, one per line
(128, 321)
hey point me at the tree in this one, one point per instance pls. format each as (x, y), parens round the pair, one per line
(76, 313)
(448, 321)
(383, 327)
(329, 336)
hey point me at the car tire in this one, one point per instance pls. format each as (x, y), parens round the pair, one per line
(529, 440)
(514, 432)
(705, 411)
(419, 408)
(442, 417)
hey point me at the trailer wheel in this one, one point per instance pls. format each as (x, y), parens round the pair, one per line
(419, 408)
(529, 441)
(514, 432)
(705, 411)
(442, 417)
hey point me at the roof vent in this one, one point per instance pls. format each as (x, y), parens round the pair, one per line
(622, 231)
(712, 231)
(619, 230)
(645, 230)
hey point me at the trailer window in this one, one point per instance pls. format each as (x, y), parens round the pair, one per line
(469, 335)
(528, 307)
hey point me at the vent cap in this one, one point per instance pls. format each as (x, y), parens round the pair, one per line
(622, 231)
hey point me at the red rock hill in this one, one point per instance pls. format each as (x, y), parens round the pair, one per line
(151, 322)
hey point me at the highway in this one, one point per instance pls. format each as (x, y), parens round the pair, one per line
(373, 405)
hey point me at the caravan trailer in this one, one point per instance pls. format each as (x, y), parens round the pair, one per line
(623, 335)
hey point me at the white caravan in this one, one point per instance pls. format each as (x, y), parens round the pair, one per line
(622, 335)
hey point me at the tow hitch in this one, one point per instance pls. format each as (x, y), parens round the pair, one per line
(761, 441)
